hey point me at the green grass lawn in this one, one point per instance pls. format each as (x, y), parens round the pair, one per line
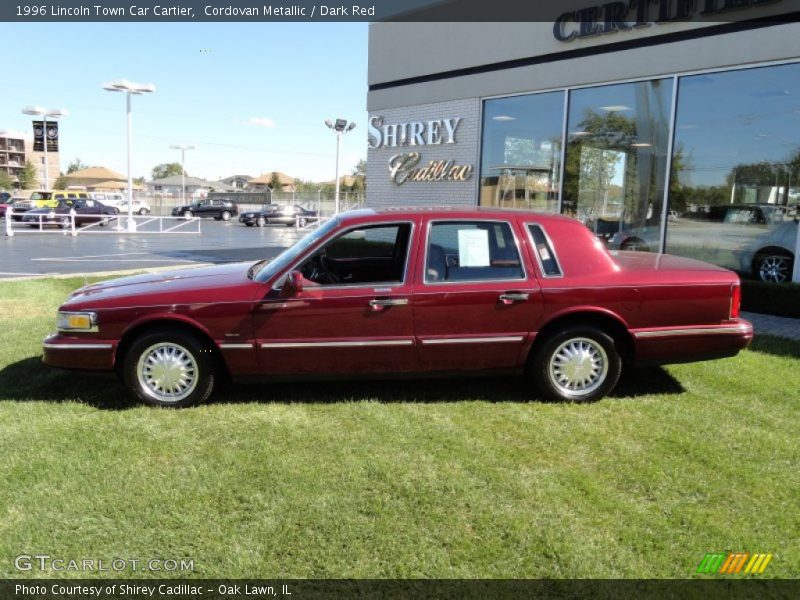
(456, 478)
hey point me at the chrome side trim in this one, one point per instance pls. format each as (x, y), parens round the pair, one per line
(473, 340)
(78, 346)
(690, 331)
(405, 342)
(236, 346)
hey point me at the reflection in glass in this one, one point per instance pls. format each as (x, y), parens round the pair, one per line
(616, 160)
(520, 163)
(735, 186)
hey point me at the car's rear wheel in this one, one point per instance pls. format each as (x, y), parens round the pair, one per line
(773, 267)
(248, 223)
(64, 223)
(226, 216)
(578, 364)
(261, 221)
(302, 222)
(104, 221)
(172, 369)
(142, 211)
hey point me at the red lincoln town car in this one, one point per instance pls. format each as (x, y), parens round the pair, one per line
(408, 291)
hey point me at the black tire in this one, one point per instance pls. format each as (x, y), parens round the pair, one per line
(261, 221)
(773, 267)
(188, 214)
(302, 222)
(599, 353)
(635, 244)
(142, 211)
(199, 361)
(65, 223)
(225, 216)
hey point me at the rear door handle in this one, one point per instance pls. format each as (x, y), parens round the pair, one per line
(381, 303)
(511, 297)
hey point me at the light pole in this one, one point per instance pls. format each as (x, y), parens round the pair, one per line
(340, 126)
(123, 85)
(183, 150)
(53, 113)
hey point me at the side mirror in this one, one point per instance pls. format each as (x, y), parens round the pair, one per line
(293, 283)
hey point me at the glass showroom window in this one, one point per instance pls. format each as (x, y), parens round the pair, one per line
(735, 186)
(521, 151)
(616, 161)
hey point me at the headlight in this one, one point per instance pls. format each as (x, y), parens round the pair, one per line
(77, 321)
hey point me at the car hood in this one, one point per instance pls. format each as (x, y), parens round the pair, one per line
(188, 285)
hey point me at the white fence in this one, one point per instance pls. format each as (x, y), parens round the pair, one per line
(68, 224)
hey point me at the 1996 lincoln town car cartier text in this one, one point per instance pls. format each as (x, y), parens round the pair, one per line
(408, 291)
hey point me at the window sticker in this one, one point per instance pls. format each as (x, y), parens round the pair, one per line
(543, 253)
(473, 248)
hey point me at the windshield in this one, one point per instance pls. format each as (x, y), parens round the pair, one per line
(288, 256)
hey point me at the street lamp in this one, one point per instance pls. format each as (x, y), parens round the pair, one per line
(53, 113)
(123, 85)
(340, 126)
(183, 150)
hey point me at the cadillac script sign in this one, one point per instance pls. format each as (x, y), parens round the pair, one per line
(410, 166)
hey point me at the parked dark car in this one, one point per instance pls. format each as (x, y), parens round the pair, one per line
(86, 212)
(221, 209)
(278, 214)
(376, 293)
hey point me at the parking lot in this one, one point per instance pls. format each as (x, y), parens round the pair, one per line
(35, 254)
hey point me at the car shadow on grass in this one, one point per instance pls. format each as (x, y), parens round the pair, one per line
(30, 380)
(776, 346)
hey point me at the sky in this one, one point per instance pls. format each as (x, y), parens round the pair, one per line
(252, 97)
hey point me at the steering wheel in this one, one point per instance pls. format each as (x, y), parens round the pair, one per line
(321, 270)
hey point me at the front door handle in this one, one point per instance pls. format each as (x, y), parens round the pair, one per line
(381, 303)
(512, 297)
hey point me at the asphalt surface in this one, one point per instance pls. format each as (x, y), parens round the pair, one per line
(52, 253)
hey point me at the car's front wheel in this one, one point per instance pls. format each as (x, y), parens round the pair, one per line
(171, 369)
(142, 211)
(226, 216)
(188, 214)
(302, 222)
(578, 364)
(261, 221)
(773, 267)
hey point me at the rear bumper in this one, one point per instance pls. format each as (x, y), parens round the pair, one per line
(68, 352)
(691, 343)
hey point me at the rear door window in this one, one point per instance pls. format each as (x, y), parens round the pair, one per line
(461, 251)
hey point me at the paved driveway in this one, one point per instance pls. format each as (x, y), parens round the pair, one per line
(32, 254)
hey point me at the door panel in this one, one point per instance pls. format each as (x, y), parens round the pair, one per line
(332, 331)
(475, 298)
(337, 324)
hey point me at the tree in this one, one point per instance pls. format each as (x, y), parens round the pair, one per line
(5, 181)
(76, 165)
(359, 174)
(28, 176)
(167, 170)
(60, 183)
(275, 182)
(139, 181)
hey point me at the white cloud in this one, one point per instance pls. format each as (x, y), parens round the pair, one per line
(261, 122)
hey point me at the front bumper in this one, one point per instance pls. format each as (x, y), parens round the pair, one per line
(73, 352)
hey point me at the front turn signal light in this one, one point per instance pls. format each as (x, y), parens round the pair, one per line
(77, 321)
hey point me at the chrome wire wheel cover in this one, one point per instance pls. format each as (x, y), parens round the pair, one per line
(167, 372)
(578, 367)
(774, 269)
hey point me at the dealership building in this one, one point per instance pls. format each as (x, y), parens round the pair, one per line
(679, 136)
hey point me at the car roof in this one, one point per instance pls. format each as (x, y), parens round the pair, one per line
(450, 212)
